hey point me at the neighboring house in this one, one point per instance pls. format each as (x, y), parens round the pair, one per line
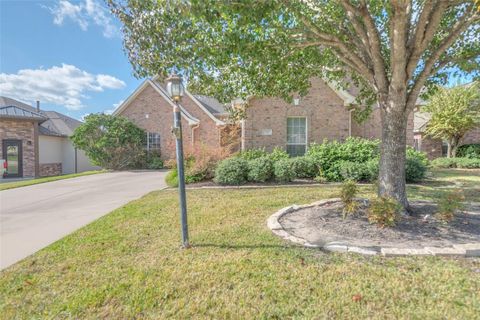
(269, 122)
(203, 118)
(434, 147)
(35, 143)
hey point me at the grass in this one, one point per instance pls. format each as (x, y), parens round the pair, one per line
(24, 183)
(128, 265)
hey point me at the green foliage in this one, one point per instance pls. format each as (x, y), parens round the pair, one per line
(232, 171)
(278, 154)
(171, 178)
(251, 154)
(282, 170)
(469, 151)
(415, 169)
(110, 142)
(304, 167)
(383, 211)
(462, 163)
(347, 194)
(260, 169)
(357, 171)
(448, 204)
(154, 162)
(454, 112)
(330, 155)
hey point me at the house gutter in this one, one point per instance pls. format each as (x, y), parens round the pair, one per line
(193, 132)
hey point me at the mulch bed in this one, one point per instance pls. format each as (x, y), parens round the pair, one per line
(323, 224)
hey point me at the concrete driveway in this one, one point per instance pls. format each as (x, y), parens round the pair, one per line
(35, 216)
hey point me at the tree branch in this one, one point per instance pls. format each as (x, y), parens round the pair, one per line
(468, 18)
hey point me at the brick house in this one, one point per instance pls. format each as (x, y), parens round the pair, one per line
(204, 119)
(35, 142)
(436, 148)
(269, 122)
(321, 114)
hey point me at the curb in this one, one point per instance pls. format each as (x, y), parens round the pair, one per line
(456, 250)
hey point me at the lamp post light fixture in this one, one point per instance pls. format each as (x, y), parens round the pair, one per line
(176, 90)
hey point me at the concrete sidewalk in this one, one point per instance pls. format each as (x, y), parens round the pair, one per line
(35, 216)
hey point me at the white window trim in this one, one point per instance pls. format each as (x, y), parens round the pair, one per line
(306, 133)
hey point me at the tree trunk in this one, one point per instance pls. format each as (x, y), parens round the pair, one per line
(393, 154)
(449, 149)
(455, 147)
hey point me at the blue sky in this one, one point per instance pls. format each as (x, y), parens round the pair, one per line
(67, 54)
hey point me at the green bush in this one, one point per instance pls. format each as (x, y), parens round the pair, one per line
(329, 155)
(172, 178)
(415, 169)
(471, 151)
(354, 171)
(153, 161)
(383, 211)
(463, 163)
(232, 171)
(347, 194)
(260, 169)
(304, 167)
(251, 154)
(283, 170)
(278, 154)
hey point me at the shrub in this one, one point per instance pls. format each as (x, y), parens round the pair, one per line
(448, 204)
(464, 163)
(354, 171)
(232, 171)
(471, 151)
(415, 169)
(172, 178)
(303, 167)
(371, 170)
(283, 170)
(347, 194)
(153, 161)
(278, 154)
(328, 155)
(260, 169)
(251, 154)
(421, 156)
(383, 211)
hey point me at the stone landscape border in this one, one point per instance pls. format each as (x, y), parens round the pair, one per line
(457, 250)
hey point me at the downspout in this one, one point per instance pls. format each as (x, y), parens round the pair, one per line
(242, 139)
(193, 133)
(76, 165)
(350, 124)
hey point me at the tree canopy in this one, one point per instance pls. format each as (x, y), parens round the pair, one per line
(454, 112)
(111, 142)
(392, 50)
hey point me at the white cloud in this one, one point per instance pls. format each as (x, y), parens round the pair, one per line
(110, 82)
(64, 85)
(85, 14)
(115, 106)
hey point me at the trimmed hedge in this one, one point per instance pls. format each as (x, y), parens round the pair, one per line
(260, 169)
(231, 171)
(304, 167)
(463, 163)
(282, 170)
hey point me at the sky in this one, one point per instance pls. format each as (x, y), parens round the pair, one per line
(67, 54)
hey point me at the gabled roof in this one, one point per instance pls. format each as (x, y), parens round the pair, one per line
(212, 104)
(15, 112)
(187, 116)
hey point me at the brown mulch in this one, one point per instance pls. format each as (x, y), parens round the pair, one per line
(322, 224)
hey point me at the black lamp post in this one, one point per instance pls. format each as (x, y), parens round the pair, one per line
(176, 90)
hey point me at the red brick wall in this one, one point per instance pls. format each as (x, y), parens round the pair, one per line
(20, 130)
(473, 136)
(50, 169)
(327, 118)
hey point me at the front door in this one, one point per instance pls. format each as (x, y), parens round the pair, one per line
(12, 152)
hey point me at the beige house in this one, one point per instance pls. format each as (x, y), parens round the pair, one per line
(36, 143)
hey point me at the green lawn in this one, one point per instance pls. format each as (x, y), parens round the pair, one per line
(128, 265)
(24, 183)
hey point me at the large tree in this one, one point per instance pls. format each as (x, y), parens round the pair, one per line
(454, 112)
(390, 49)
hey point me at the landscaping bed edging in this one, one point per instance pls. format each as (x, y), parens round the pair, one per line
(457, 250)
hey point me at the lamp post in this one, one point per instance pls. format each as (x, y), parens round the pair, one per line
(175, 89)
